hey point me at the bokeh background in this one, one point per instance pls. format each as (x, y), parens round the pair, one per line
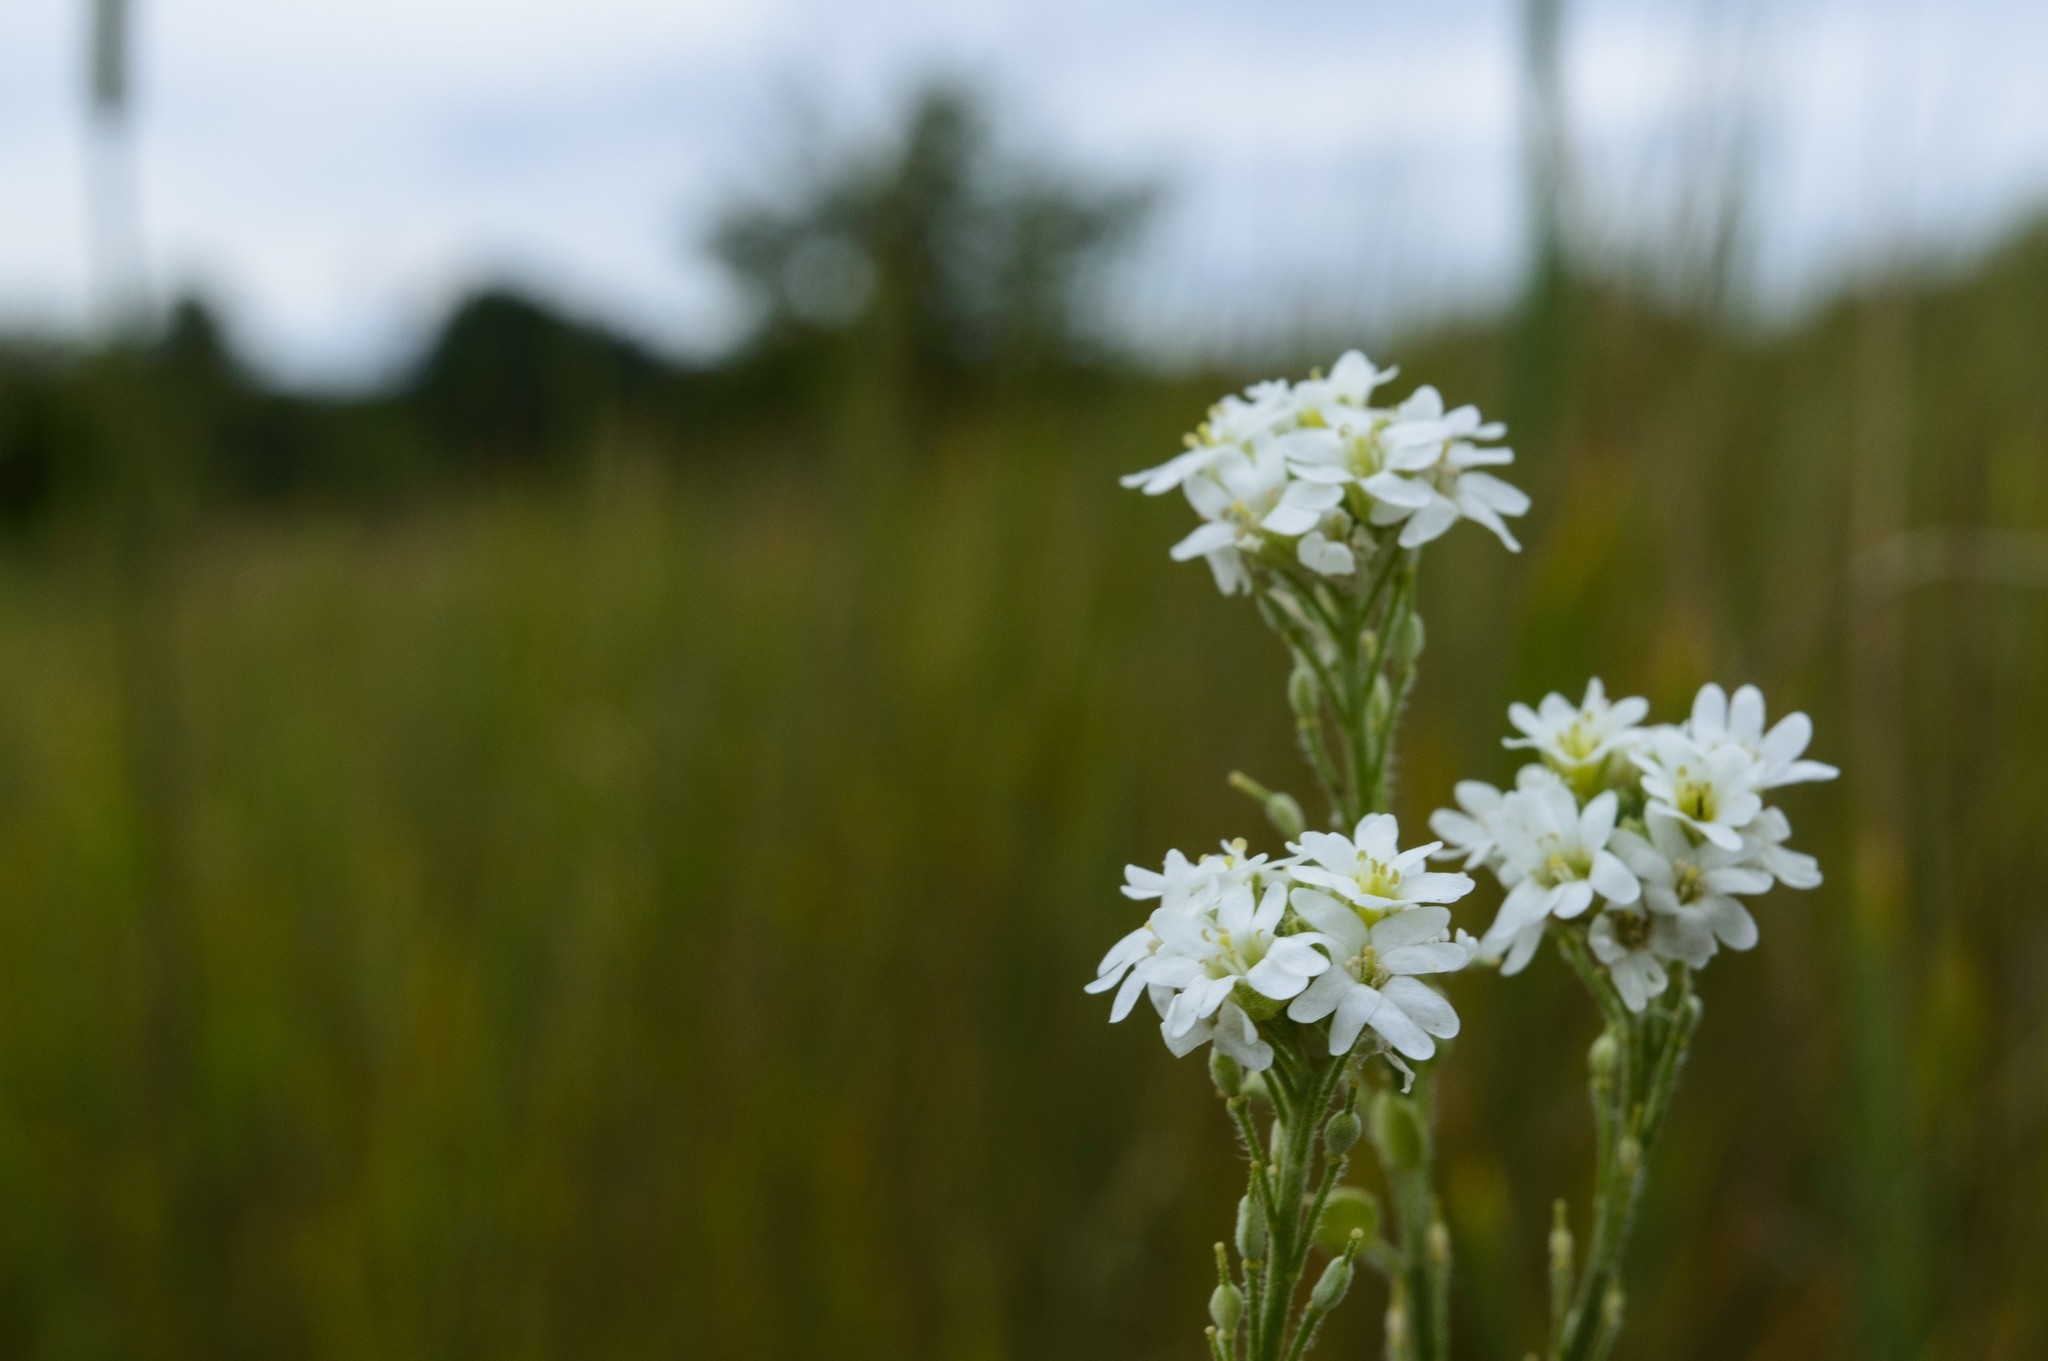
(575, 682)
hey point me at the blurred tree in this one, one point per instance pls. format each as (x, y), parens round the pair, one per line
(511, 384)
(963, 262)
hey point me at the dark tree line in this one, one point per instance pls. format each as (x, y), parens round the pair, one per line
(936, 262)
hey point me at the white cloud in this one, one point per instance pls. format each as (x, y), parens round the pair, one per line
(339, 171)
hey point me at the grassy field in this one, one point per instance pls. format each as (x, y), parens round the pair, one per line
(648, 919)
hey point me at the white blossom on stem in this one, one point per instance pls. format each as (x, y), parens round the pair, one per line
(1717, 721)
(1554, 861)
(1369, 869)
(1711, 790)
(1371, 980)
(1580, 740)
(1690, 889)
(1620, 938)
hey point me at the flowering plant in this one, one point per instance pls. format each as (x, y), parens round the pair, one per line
(1631, 847)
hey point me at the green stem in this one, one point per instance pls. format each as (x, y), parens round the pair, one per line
(1632, 1082)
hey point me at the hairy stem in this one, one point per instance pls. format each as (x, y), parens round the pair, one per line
(1634, 1071)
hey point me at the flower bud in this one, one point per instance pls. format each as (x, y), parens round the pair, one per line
(1398, 1131)
(1251, 1231)
(1561, 1247)
(1437, 1241)
(1379, 706)
(1284, 812)
(1226, 1307)
(1335, 1280)
(1341, 1133)
(1603, 1056)
(1348, 1210)
(1225, 1072)
(1408, 640)
(1302, 694)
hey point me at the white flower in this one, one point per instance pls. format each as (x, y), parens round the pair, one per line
(1232, 495)
(1467, 830)
(1351, 382)
(1690, 890)
(1370, 870)
(1763, 845)
(1578, 740)
(1120, 966)
(1427, 480)
(1371, 982)
(1553, 860)
(1712, 790)
(1718, 721)
(1325, 556)
(1620, 939)
(1203, 967)
(1176, 470)
(1184, 883)
(1280, 461)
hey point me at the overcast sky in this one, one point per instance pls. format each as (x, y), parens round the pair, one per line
(334, 171)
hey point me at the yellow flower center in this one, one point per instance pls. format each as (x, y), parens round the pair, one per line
(1379, 880)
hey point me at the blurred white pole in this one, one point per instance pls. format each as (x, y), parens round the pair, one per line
(114, 210)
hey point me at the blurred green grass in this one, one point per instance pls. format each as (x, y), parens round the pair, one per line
(648, 917)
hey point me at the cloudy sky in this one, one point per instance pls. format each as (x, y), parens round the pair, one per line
(334, 171)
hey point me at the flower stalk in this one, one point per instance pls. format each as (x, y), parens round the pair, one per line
(1630, 847)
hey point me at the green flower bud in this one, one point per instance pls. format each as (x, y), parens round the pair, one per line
(1561, 1247)
(1379, 706)
(1225, 1072)
(1302, 694)
(1349, 1210)
(1603, 1056)
(1284, 812)
(1397, 1129)
(1335, 1280)
(1251, 1231)
(1226, 1307)
(1341, 1133)
(1255, 1090)
(1408, 641)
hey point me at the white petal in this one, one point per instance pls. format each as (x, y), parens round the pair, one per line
(1205, 538)
(1401, 1031)
(1611, 879)
(1436, 957)
(1424, 1005)
(1412, 927)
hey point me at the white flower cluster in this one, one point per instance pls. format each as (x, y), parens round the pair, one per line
(1302, 469)
(1664, 827)
(1339, 929)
